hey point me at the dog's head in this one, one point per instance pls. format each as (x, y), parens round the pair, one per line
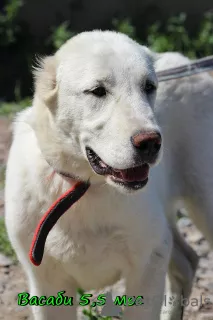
(94, 109)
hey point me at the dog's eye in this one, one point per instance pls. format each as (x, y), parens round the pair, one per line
(99, 91)
(150, 87)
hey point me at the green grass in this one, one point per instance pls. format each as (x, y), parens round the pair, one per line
(10, 108)
(5, 246)
(2, 176)
(93, 315)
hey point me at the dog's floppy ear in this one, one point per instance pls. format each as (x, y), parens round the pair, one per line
(46, 87)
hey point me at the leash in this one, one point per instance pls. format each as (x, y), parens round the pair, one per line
(187, 70)
(49, 219)
(71, 196)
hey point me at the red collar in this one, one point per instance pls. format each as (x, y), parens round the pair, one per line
(49, 219)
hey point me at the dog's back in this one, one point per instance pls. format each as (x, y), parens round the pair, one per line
(185, 113)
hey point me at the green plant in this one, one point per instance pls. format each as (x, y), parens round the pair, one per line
(10, 108)
(175, 37)
(60, 35)
(8, 22)
(204, 41)
(90, 313)
(5, 246)
(2, 176)
(124, 26)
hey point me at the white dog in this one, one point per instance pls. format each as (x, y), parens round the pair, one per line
(92, 118)
(184, 110)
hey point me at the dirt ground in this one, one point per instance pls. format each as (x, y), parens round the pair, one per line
(12, 280)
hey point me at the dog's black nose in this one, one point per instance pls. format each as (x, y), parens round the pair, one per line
(148, 143)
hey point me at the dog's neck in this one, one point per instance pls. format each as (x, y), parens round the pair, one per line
(67, 175)
(71, 178)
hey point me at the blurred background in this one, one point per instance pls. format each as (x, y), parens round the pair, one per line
(30, 27)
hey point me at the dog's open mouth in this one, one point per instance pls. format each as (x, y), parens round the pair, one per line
(131, 178)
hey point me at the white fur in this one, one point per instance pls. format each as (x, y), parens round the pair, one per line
(184, 111)
(109, 233)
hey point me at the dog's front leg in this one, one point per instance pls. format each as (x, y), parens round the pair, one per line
(55, 291)
(149, 283)
(66, 311)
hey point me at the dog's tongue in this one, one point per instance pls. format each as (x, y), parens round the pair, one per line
(133, 174)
